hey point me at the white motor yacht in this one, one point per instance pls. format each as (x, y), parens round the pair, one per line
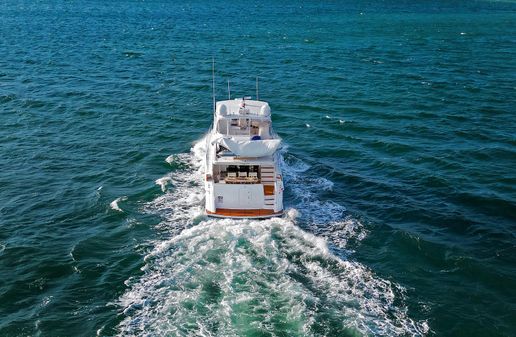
(242, 173)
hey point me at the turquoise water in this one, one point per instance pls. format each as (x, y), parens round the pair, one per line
(399, 164)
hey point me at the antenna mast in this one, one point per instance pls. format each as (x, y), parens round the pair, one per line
(257, 97)
(229, 91)
(213, 81)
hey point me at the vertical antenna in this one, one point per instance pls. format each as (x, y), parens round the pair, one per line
(213, 81)
(257, 97)
(229, 91)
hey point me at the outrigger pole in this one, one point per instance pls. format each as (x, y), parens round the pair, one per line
(257, 97)
(213, 81)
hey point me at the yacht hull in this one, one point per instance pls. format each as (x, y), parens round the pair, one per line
(242, 173)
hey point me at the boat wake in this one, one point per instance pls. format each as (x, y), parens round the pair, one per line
(226, 277)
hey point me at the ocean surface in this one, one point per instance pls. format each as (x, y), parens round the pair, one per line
(399, 159)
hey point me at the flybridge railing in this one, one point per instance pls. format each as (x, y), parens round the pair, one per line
(248, 110)
(245, 112)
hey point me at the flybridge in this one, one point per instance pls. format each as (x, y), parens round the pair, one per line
(243, 128)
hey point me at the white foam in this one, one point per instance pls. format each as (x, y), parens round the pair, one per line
(114, 203)
(170, 159)
(162, 182)
(229, 277)
(213, 273)
(46, 300)
(292, 214)
(181, 206)
(307, 125)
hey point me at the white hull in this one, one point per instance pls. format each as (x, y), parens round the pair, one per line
(242, 173)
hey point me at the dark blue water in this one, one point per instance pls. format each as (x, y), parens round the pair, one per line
(399, 164)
